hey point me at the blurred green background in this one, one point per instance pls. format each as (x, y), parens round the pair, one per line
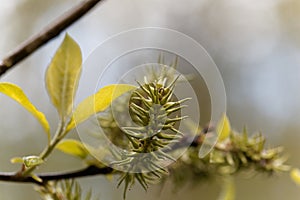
(255, 44)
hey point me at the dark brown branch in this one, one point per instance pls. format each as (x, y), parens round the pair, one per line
(48, 33)
(88, 171)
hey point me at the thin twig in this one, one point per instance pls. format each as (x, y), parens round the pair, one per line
(88, 171)
(48, 33)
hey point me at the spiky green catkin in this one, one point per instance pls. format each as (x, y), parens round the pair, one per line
(156, 111)
(153, 102)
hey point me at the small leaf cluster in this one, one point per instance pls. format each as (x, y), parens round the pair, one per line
(61, 80)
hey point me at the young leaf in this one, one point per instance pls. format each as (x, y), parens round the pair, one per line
(295, 175)
(97, 103)
(35, 177)
(16, 160)
(72, 147)
(16, 93)
(223, 128)
(32, 161)
(63, 75)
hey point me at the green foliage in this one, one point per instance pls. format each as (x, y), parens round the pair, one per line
(62, 76)
(73, 147)
(97, 103)
(18, 95)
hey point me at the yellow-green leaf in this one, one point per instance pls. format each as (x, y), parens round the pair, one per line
(295, 175)
(62, 76)
(16, 160)
(72, 147)
(32, 161)
(97, 102)
(223, 128)
(36, 178)
(16, 93)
